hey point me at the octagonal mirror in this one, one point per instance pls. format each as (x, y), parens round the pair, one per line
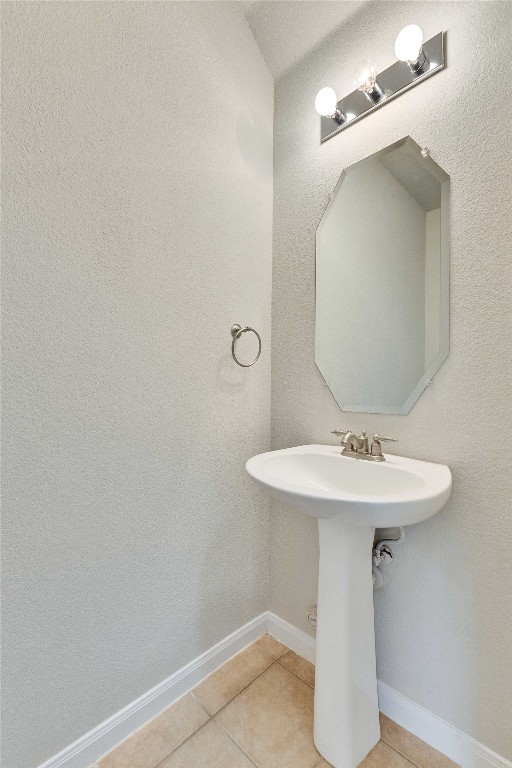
(382, 272)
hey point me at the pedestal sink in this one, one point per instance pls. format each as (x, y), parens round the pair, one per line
(350, 497)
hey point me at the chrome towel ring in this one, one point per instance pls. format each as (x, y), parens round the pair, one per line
(236, 332)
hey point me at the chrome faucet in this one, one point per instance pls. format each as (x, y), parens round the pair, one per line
(357, 447)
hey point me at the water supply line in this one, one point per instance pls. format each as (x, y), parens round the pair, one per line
(383, 554)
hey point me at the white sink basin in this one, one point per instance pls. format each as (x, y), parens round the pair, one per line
(350, 497)
(324, 483)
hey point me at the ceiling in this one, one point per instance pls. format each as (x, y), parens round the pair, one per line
(286, 30)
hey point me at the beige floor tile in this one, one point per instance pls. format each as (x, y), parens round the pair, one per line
(151, 743)
(272, 720)
(383, 756)
(411, 747)
(299, 666)
(323, 764)
(208, 748)
(270, 645)
(229, 680)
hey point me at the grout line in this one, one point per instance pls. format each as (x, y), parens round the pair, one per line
(221, 709)
(196, 698)
(237, 745)
(286, 649)
(194, 732)
(275, 661)
(276, 658)
(272, 660)
(295, 674)
(363, 761)
(315, 765)
(212, 718)
(200, 703)
(403, 754)
(190, 736)
(409, 760)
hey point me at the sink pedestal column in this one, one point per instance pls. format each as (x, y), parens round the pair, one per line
(346, 706)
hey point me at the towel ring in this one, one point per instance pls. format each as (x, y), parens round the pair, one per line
(236, 332)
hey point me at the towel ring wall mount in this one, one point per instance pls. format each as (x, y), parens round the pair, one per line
(236, 332)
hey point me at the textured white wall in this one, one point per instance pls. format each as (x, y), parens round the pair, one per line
(137, 229)
(444, 621)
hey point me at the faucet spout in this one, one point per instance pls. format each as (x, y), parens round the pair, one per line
(352, 442)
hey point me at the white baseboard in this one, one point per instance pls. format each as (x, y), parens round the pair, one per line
(83, 752)
(458, 746)
(461, 748)
(294, 638)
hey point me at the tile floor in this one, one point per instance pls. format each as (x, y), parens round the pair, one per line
(255, 712)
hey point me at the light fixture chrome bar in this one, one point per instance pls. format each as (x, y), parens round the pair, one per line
(393, 81)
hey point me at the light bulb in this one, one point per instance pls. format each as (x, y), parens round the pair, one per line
(408, 43)
(365, 76)
(326, 102)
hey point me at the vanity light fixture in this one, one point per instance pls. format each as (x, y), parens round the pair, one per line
(417, 60)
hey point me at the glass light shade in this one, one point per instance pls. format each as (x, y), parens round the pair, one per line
(326, 102)
(408, 43)
(365, 76)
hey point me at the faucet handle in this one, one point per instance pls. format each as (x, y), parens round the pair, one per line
(379, 439)
(376, 448)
